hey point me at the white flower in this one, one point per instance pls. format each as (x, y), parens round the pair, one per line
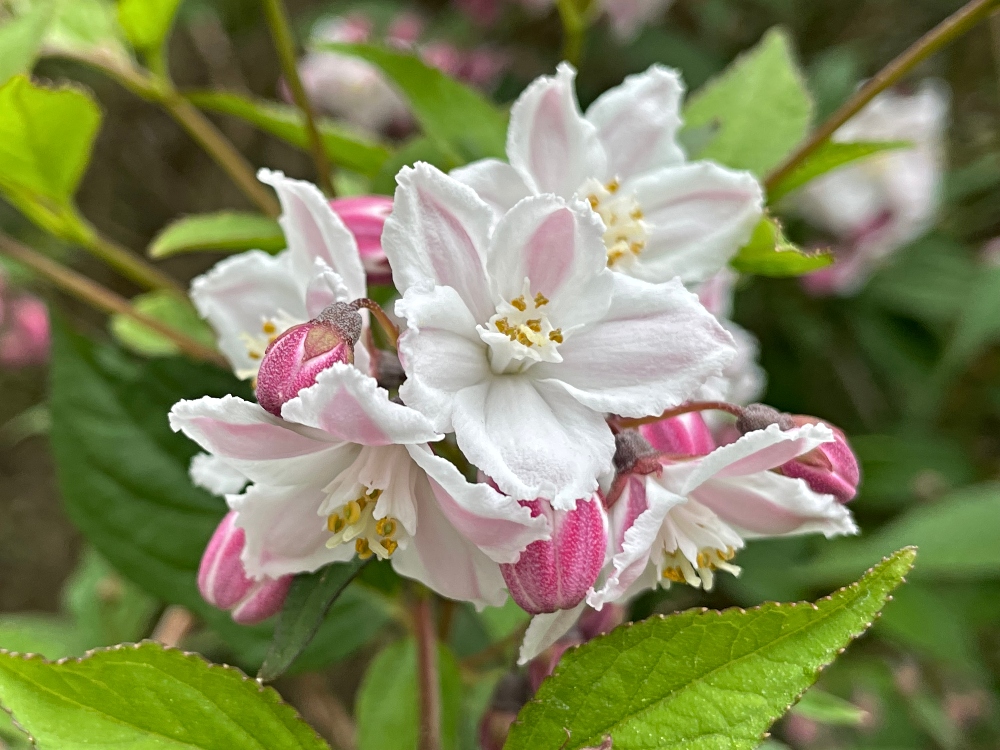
(884, 202)
(520, 339)
(347, 472)
(253, 297)
(663, 217)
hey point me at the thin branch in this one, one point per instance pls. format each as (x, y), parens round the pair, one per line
(174, 624)
(391, 329)
(945, 32)
(284, 43)
(130, 265)
(104, 299)
(428, 685)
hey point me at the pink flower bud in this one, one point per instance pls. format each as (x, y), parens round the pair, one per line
(294, 359)
(684, 435)
(25, 335)
(556, 573)
(830, 469)
(224, 583)
(365, 216)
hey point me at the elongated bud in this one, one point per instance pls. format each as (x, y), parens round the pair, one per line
(830, 469)
(365, 216)
(556, 573)
(684, 435)
(294, 359)
(224, 583)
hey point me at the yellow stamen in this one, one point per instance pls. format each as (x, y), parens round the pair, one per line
(385, 527)
(253, 355)
(556, 335)
(362, 548)
(541, 300)
(334, 523)
(352, 512)
(519, 303)
(390, 546)
(269, 328)
(374, 495)
(535, 324)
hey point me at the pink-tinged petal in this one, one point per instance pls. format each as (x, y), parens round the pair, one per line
(349, 405)
(627, 18)
(743, 380)
(440, 351)
(638, 121)
(284, 532)
(654, 349)
(438, 233)
(549, 143)
(238, 294)
(495, 181)
(533, 440)
(767, 504)
(699, 215)
(261, 447)
(442, 559)
(559, 247)
(313, 230)
(546, 629)
(685, 435)
(324, 288)
(215, 475)
(221, 578)
(495, 523)
(265, 601)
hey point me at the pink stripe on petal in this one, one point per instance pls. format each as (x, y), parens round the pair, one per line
(550, 252)
(345, 417)
(254, 441)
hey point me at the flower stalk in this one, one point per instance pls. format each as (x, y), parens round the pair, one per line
(391, 329)
(428, 684)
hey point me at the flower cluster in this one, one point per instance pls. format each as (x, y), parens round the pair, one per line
(563, 322)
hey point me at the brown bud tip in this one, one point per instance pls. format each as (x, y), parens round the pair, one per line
(344, 319)
(630, 448)
(758, 416)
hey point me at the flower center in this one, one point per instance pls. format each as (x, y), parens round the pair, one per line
(257, 343)
(625, 232)
(678, 568)
(355, 521)
(696, 543)
(520, 333)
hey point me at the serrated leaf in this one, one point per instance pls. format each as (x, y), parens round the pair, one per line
(169, 308)
(146, 696)
(387, 707)
(769, 253)
(223, 231)
(760, 104)
(457, 118)
(699, 679)
(344, 147)
(828, 157)
(147, 22)
(21, 38)
(306, 606)
(827, 708)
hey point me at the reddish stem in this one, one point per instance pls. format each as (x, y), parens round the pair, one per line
(621, 423)
(390, 328)
(428, 685)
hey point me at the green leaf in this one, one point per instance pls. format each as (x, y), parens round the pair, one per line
(387, 708)
(829, 709)
(147, 22)
(86, 26)
(344, 147)
(769, 253)
(828, 157)
(229, 231)
(760, 103)
(147, 697)
(308, 602)
(167, 307)
(21, 37)
(701, 678)
(458, 119)
(417, 149)
(51, 636)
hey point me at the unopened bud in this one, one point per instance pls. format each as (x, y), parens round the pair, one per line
(365, 216)
(684, 435)
(830, 468)
(556, 573)
(631, 447)
(294, 359)
(223, 582)
(760, 416)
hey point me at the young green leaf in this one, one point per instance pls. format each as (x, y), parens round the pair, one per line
(828, 157)
(230, 231)
(387, 703)
(21, 37)
(344, 147)
(699, 679)
(308, 602)
(827, 708)
(769, 253)
(147, 22)
(167, 307)
(462, 122)
(760, 104)
(87, 26)
(146, 696)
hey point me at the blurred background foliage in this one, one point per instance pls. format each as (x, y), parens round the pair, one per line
(909, 368)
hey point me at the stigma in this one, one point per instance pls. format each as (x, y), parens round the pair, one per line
(625, 231)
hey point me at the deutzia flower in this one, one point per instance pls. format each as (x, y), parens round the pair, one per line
(663, 217)
(519, 338)
(348, 472)
(253, 297)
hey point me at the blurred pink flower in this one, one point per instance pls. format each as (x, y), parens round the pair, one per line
(24, 328)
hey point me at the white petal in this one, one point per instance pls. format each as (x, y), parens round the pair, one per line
(699, 214)
(215, 475)
(497, 524)
(313, 230)
(743, 381)
(438, 232)
(655, 349)
(533, 440)
(238, 294)
(546, 629)
(559, 247)
(324, 288)
(441, 352)
(495, 181)
(349, 405)
(549, 143)
(638, 121)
